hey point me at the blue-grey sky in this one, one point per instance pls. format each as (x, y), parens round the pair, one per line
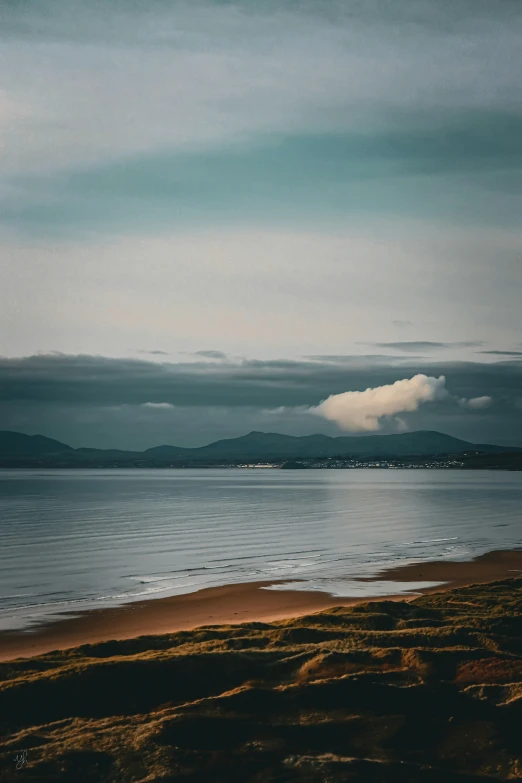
(269, 180)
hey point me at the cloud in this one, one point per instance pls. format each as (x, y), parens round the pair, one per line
(158, 405)
(503, 353)
(269, 383)
(401, 323)
(359, 359)
(426, 345)
(155, 353)
(476, 403)
(361, 411)
(218, 355)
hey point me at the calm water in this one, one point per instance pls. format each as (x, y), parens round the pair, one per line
(71, 540)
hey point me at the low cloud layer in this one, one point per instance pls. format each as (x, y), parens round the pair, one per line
(360, 411)
(137, 403)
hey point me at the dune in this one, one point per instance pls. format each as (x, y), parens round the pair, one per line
(422, 691)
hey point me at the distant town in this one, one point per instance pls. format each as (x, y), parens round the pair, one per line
(461, 461)
(464, 461)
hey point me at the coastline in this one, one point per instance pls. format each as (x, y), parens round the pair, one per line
(244, 602)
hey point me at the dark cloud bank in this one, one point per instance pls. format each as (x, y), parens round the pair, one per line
(99, 401)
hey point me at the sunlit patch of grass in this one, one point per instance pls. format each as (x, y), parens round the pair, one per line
(490, 670)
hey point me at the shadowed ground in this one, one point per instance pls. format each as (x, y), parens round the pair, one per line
(416, 692)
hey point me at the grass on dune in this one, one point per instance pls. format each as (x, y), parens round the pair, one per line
(425, 691)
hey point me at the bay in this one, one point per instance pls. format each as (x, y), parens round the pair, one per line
(72, 540)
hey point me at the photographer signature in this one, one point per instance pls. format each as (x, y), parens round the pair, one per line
(21, 759)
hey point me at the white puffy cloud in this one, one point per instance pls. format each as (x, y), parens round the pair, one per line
(359, 411)
(476, 403)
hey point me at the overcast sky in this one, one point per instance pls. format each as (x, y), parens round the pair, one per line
(214, 215)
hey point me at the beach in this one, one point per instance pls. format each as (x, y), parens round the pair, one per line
(239, 603)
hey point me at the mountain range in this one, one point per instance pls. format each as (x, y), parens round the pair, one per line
(17, 448)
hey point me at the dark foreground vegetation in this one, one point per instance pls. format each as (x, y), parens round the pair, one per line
(427, 691)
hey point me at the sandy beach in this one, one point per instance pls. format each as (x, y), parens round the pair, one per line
(232, 604)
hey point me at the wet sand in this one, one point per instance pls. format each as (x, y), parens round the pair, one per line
(489, 567)
(211, 606)
(239, 603)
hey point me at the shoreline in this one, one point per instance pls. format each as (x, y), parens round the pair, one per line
(244, 602)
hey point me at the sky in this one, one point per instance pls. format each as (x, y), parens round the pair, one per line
(218, 217)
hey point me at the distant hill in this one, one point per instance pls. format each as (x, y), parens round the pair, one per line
(16, 444)
(16, 448)
(261, 444)
(268, 445)
(170, 452)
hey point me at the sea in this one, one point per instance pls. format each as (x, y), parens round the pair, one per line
(72, 540)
